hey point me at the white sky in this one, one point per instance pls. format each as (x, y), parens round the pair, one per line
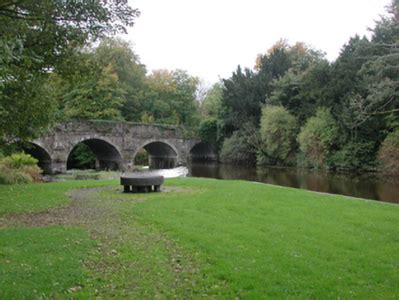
(209, 38)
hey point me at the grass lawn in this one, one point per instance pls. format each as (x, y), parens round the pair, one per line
(199, 238)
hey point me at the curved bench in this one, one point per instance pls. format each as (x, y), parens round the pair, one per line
(141, 183)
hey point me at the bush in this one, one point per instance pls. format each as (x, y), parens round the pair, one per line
(19, 168)
(318, 137)
(354, 156)
(18, 160)
(141, 158)
(278, 129)
(208, 131)
(388, 154)
(82, 157)
(237, 150)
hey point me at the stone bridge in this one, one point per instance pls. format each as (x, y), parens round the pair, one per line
(116, 144)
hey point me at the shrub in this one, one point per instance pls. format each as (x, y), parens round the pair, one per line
(208, 132)
(318, 137)
(13, 176)
(278, 129)
(86, 176)
(18, 160)
(82, 157)
(19, 168)
(388, 154)
(354, 156)
(237, 150)
(141, 158)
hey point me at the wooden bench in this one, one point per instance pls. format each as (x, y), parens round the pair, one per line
(141, 183)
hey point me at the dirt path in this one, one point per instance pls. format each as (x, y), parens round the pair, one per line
(130, 257)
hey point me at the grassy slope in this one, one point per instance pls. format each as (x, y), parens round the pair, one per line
(279, 242)
(256, 240)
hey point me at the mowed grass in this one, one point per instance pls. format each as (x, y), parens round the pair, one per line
(274, 242)
(243, 239)
(25, 198)
(42, 263)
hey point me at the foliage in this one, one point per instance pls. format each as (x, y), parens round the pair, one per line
(278, 130)
(98, 96)
(18, 160)
(82, 157)
(318, 137)
(360, 90)
(141, 158)
(170, 98)
(208, 132)
(237, 149)
(26, 108)
(388, 154)
(301, 91)
(211, 104)
(242, 100)
(19, 168)
(354, 156)
(38, 37)
(131, 73)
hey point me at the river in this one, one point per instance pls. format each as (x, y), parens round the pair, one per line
(368, 186)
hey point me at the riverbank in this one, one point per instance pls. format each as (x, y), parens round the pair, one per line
(374, 186)
(198, 238)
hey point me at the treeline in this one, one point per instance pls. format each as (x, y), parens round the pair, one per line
(297, 109)
(108, 82)
(294, 108)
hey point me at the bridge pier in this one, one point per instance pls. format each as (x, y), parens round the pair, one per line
(58, 167)
(162, 162)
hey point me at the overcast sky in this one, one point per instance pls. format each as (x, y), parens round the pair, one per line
(209, 38)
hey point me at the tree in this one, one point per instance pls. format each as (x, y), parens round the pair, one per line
(170, 98)
(300, 88)
(26, 106)
(278, 130)
(388, 154)
(211, 104)
(37, 37)
(242, 100)
(318, 137)
(98, 96)
(85, 83)
(238, 149)
(131, 73)
(209, 133)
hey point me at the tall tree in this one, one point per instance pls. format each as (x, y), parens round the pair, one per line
(242, 99)
(170, 98)
(131, 73)
(37, 37)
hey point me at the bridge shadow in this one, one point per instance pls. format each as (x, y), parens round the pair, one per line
(94, 154)
(202, 152)
(43, 157)
(159, 155)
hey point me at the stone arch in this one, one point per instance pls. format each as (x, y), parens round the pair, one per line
(202, 152)
(108, 156)
(41, 154)
(162, 155)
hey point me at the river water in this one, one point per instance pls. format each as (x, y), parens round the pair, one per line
(368, 186)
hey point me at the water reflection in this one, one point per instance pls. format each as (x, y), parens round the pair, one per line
(367, 186)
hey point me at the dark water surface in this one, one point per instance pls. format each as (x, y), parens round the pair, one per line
(368, 186)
